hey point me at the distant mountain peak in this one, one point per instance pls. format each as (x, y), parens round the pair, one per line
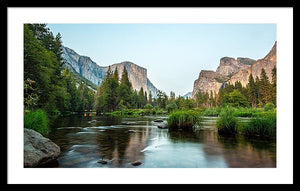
(188, 95)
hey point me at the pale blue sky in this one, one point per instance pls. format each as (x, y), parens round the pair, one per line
(173, 54)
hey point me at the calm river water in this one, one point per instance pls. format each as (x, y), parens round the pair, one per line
(84, 140)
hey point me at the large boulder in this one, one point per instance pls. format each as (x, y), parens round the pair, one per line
(38, 150)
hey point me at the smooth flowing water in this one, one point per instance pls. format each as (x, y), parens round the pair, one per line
(86, 140)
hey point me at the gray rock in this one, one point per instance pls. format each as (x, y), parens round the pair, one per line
(136, 163)
(163, 126)
(38, 150)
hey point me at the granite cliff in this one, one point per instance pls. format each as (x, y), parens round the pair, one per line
(207, 81)
(230, 66)
(231, 70)
(88, 69)
(267, 63)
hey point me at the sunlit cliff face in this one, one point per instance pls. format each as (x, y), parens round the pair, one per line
(88, 69)
(231, 70)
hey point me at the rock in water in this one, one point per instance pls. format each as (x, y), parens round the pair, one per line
(163, 126)
(136, 163)
(102, 161)
(158, 120)
(38, 150)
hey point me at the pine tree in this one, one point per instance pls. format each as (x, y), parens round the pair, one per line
(162, 99)
(125, 78)
(264, 87)
(124, 90)
(259, 94)
(150, 98)
(141, 98)
(252, 91)
(116, 75)
(274, 86)
(105, 99)
(146, 97)
(199, 99)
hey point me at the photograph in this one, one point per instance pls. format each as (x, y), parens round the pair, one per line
(150, 95)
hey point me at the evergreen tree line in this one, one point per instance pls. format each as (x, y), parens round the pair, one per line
(257, 93)
(48, 84)
(117, 94)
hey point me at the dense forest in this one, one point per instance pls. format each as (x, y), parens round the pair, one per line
(48, 84)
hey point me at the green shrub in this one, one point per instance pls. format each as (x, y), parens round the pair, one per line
(37, 120)
(227, 123)
(269, 106)
(235, 99)
(148, 106)
(262, 126)
(171, 107)
(185, 120)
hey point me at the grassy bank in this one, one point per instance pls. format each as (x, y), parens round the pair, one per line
(37, 120)
(262, 126)
(238, 111)
(138, 112)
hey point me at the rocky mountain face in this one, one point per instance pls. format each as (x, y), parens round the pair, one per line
(84, 66)
(87, 68)
(229, 66)
(267, 63)
(208, 81)
(231, 70)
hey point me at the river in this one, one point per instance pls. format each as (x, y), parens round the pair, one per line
(85, 140)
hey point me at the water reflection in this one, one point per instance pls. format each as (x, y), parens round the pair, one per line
(239, 152)
(86, 140)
